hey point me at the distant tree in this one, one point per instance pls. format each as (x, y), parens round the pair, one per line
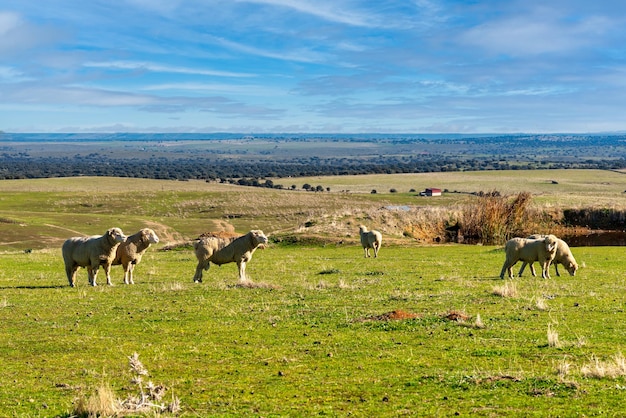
(328, 189)
(373, 191)
(319, 189)
(306, 186)
(393, 191)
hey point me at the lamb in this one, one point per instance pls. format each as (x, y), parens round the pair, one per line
(529, 250)
(91, 252)
(219, 250)
(563, 256)
(370, 239)
(129, 252)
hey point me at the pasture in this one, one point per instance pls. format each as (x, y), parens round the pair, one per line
(423, 330)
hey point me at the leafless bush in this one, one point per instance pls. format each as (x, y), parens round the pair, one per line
(493, 218)
(147, 401)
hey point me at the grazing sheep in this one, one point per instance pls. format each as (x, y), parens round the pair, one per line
(563, 256)
(91, 252)
(370, 239)
(529, 250)
(218, 250)
(129, 252)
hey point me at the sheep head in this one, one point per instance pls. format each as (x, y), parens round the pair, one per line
(258, 237)
(148, 235)
(551, 243)
(116, 235)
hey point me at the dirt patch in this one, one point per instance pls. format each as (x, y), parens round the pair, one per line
(219, 234)
(456, 316)
(249, 284)
(397, 315)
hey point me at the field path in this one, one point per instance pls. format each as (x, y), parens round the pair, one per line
(164, 232)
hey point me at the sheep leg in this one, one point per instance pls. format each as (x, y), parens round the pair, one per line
(197, 278)
(242, 270)
(545, 274)
(367, 252)
(507, 267)
(71, 274)
(376, 251)
(130, 273)
(556, 267)
(521, 270)
(107, 272)
(91, 274)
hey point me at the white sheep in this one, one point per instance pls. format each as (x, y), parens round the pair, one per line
(91, 252)
(563, 256)
(370, 239)
(220, 250)
(529, 250)
(129, 252)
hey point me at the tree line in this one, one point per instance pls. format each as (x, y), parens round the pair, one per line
(250, 172)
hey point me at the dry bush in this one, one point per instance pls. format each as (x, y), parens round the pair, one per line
(492, 218)
(104, 403)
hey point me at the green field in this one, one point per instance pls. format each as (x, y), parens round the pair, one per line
(317, 330)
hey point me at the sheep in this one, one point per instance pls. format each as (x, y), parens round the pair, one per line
(129, 252)
(219, 250)
(563, 256)
(529, 250)
(370, 239)
(91, 252)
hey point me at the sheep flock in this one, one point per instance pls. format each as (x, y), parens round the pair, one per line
(115, 248)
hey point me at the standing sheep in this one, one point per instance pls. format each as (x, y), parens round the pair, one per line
(370, 239)
(563, 256)
(529, 250)
(220, 251)
(91, 252)
(129, 252)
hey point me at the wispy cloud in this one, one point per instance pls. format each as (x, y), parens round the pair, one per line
(159, 68)
(334, 11)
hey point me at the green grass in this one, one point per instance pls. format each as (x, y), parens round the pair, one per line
(304, 345)
(309, 340)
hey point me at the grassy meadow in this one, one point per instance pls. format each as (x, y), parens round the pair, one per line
(423, 330)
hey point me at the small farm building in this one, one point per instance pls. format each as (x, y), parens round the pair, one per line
(431, 192)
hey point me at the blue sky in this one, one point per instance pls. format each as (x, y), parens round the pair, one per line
(413, 66)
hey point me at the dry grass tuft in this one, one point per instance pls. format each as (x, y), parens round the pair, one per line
(541, 304)
(616, 367)
(102, 403)
(478, 322)
(553, 337)
(508, 290)
(563, 368)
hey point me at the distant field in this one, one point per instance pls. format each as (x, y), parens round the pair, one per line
(42, 212)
